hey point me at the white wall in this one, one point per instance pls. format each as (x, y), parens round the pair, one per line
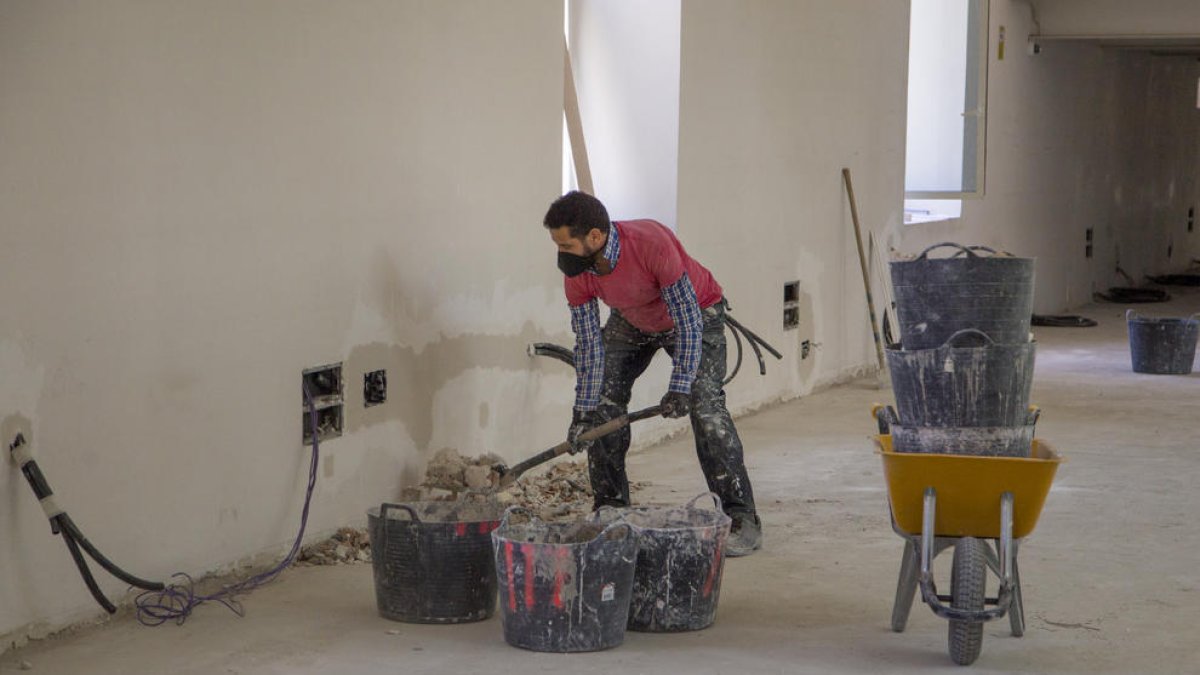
(776, 98)
(1078, 137)
(200, 199)
(625, 55)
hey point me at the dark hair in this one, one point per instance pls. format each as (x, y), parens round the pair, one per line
(579, 211)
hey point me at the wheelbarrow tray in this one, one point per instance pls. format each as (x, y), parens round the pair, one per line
(969, 488)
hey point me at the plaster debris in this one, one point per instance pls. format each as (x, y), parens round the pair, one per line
(448, 470)
(561, 491)
(348, 546)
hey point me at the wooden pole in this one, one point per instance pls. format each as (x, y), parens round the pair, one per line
(862, 261)
(583, 171)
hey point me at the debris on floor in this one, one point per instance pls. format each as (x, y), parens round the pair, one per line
(348, 546)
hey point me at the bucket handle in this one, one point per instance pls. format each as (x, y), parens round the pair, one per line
(629, 530)
(885, 416)
(1130, 315)
(385, 507)
(691, 505)
(961, 249)
(968, 331)
(516, 509)
(989, 249)
(1033, 414)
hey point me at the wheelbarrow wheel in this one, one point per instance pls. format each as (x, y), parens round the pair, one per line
(968, 584)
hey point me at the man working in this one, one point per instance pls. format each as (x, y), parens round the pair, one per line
(661, 299)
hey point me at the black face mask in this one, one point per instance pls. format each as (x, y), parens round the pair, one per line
(573, 265)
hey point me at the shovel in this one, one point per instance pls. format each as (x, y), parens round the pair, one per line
(509, 475)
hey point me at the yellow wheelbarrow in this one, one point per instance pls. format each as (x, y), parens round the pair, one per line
(939, 501)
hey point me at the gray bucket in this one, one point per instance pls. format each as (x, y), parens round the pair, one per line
(432, 561)
(955, 385)
(1162, 346)
(564, 587)
(681, 558)
(978, 288)
(1008, 441)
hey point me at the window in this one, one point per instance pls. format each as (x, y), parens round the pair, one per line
(947, 103)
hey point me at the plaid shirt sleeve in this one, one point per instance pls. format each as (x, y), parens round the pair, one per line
(689, 327)
(589, 354)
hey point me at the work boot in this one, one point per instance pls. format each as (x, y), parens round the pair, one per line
(745, 535)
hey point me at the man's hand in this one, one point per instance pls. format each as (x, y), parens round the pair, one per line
(582, 421)
(675, 404)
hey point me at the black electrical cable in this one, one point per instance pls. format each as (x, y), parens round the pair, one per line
(61, 524)
(177, 601)
(159, 603)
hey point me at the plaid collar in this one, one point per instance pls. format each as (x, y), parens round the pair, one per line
(612, 248)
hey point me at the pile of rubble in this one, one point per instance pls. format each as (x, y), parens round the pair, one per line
(562, 491)
(557, 493)
(348, 546)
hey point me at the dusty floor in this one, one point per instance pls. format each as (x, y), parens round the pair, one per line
(1110, 576)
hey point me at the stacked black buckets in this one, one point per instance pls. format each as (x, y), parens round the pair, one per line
(964, 368)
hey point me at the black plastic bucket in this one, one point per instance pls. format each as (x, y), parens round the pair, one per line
(936, 298)
(1162, 346)
(681, 557)
(1006, 441)
(433, 561)
(955, 385)
(564, 587)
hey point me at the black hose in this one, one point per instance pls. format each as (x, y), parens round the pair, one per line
(737, 365)
(1123, 295)
(754, 338)
(567, 356)
(87, 576)
(555, 352)
(1063, 321)
(77, 535)
(61, 524)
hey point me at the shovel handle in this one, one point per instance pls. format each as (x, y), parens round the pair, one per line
(615, 424)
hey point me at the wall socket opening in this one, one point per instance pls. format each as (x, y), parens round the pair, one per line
(374, 388)
(805, 348)
(324, 384)
(791, 305)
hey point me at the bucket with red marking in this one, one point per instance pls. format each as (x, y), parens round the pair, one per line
(433, 560)
(564, 587)
(681, 557)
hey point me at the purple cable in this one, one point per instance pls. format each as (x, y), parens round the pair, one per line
(177, 600)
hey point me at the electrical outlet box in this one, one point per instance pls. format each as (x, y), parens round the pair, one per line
(325, 387)
(805, 348)
(791, 305)
(374, 388)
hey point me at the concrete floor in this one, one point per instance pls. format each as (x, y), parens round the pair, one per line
(1110, 576)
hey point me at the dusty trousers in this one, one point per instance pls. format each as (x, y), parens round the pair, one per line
(627, 354)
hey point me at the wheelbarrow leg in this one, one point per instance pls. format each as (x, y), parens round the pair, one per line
(1016, 611)
(906, 586)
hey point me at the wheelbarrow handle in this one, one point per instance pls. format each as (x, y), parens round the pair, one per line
(615, 424)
